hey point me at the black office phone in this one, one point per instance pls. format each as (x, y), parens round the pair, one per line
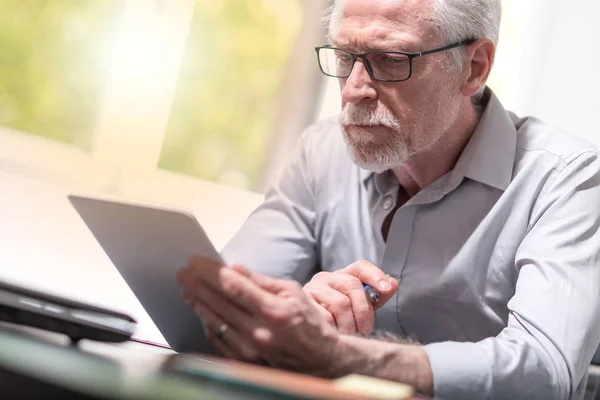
(23, 306)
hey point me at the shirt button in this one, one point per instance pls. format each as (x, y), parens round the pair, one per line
(387, 204)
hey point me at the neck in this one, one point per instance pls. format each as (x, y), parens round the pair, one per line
(427, 166)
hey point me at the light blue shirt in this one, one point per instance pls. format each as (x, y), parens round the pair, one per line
(498, 260)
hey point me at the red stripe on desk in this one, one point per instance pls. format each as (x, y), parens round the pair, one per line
(164, 346)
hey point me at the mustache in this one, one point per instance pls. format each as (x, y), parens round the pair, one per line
(354, 114)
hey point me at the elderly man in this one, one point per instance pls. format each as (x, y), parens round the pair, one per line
(478, 228)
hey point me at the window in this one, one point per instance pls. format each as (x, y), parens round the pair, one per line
(111, 92)
(53, 65)
(235, 60)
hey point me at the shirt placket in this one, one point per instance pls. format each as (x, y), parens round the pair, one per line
(393, 262)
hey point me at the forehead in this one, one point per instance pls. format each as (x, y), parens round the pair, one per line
(384, 23)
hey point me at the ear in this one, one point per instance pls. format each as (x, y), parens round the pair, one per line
(479, 59)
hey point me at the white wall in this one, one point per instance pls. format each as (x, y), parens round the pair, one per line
(561, 80)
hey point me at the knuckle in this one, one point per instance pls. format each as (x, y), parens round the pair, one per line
(356, 264)
(350, 280)
(341, 304)
(313, 288)
(321, 276)
(310, 293)
(277, 316)
(230, 287)
(294, 286)
(363, 264)
(262, 338)
(355, 268)
(348, 283)
(295, 305)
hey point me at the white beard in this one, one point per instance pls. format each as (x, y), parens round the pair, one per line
(364, 149)
(374, 157)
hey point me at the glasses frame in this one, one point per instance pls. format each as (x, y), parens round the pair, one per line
(369, 68)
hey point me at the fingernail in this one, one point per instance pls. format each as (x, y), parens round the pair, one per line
(384, 284)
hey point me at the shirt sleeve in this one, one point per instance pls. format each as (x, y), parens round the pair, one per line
(278, 238)
(553, 327)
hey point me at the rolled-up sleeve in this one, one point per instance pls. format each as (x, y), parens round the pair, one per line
(554, 325)
(278, 238)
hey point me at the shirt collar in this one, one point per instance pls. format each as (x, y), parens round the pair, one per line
(489, 154)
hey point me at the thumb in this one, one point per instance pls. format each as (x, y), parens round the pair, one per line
(371, 275)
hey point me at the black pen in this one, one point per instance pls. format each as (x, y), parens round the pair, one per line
(372, 294)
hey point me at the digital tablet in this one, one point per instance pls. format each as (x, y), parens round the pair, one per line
(148, 244)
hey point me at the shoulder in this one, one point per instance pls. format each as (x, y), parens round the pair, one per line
(553, 160)
(323, 145)
(539, 141)
(327, 162)
(323, 136)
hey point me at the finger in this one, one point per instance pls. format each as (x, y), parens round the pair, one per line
(273, 285)
(222, 306)
(243, 291)
(369, 274)
(362, 308)
(186, 281)
(339, 305)
(202, 269)
(241, 269)
(231, 343)
(228, 282)
(326, 314)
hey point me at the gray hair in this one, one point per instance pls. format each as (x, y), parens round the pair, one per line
(457, 20)
(452, 20)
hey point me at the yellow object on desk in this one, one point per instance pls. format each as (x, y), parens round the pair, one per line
(374, 387)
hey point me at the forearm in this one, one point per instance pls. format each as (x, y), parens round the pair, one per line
(387, 360)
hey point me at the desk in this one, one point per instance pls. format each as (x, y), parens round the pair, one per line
(34, 363)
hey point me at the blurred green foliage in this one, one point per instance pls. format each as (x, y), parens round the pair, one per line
(224, 103)
(54, 56)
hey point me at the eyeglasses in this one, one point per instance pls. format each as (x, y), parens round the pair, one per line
(383, 66)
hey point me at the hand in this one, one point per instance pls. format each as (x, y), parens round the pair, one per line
(266, 318)
(341, 298)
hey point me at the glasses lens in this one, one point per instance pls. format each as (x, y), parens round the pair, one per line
(389, 66)
(335, 62)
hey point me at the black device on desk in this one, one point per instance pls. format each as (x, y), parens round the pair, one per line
(77, 320)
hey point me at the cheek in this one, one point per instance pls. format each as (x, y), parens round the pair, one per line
(404, 101)
(342, 84)
(415, 98)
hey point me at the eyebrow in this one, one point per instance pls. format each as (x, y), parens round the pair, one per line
(384, 45)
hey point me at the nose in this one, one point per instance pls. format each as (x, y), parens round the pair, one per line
(359, 86)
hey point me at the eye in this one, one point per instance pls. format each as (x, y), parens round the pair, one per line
(393, 60)
(343, 56)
